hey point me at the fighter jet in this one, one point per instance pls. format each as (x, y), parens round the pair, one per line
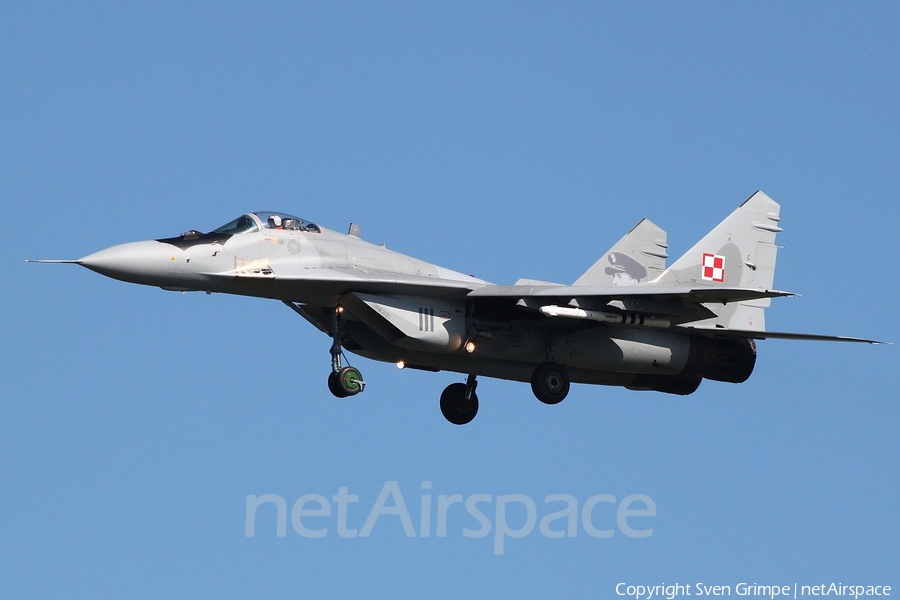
(628, 321)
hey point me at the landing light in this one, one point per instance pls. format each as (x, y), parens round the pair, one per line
(400, 364)
(470, 347)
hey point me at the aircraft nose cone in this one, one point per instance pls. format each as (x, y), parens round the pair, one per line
(150, 262)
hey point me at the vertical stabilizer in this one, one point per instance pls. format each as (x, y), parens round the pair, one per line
(638, 257)
(740, 252)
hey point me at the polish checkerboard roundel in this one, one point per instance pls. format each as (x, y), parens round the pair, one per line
(713, 268)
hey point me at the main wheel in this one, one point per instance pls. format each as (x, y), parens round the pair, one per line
(335, 387)
(550, 383)
(454, 406)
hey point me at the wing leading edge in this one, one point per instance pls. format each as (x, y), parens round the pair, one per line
(776, 335)
(720, 295)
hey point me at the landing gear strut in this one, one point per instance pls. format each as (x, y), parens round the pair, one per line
(459, 403)
(550, 383)
(342, 381)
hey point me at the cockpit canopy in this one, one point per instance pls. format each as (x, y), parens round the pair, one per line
(267, 220)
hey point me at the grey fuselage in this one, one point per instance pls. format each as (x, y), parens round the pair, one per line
(314, 265)
(315, 269)
(628, 320)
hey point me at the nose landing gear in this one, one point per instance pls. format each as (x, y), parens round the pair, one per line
(347, 381)
(342, 381)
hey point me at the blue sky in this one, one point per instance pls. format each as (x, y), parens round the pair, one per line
(504, 140)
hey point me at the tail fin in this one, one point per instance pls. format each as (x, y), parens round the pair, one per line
(638, 257)
(739, 252)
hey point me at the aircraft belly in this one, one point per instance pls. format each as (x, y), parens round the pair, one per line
(594, 356)
(524, 341)
(620, 349)
(514, 370)
(623, 349)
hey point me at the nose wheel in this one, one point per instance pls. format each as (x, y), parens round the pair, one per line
(345, 382)
(342, 381)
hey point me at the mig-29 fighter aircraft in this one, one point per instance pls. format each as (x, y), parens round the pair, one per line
(627, 321)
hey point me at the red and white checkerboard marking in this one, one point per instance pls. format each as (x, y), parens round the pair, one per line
(713, 267)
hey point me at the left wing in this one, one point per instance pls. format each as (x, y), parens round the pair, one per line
(697, 295)
(669, 307)
(775, 335)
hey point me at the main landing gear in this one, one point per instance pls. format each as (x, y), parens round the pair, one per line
(459, 403)
(342, 381)
(550, 383)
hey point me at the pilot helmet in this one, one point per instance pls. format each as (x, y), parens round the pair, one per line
(275, 221)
